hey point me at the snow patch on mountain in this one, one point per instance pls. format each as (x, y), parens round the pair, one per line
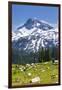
(35, 34)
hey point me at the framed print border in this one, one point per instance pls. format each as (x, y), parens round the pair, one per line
(10, 42)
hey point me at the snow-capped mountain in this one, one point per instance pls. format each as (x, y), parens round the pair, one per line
(34, 34)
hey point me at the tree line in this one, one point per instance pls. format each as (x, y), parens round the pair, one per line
(43, 55)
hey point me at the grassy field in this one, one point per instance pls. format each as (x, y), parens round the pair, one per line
(23, 74)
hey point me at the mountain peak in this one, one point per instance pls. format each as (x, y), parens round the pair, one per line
(34, 22)
(30, 23)
(34, 34)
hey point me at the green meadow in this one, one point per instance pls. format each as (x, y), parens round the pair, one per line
(23, 74)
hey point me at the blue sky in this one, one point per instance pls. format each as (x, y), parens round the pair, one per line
(20, 13)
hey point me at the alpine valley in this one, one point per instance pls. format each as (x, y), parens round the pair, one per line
(34, 40)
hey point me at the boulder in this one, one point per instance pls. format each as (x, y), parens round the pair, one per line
(21, 69)
(43, 70)
(56, 61)
(29, 74)
(27, 65)
(46, 63)
(35, 80)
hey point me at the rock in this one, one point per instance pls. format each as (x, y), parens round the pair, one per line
(24, 68)
(30, 67)
(56, 61)
(56, 76)
(35, 80)
(43, 70)
(27, 65)
(56, 82)
(29, 74)
(32, 64)
(21, 69)
(46, 63)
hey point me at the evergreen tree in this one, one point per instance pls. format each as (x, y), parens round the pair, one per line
(41, 54)
(47, 54)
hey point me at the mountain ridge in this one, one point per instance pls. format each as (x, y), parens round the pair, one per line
(35, 34)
